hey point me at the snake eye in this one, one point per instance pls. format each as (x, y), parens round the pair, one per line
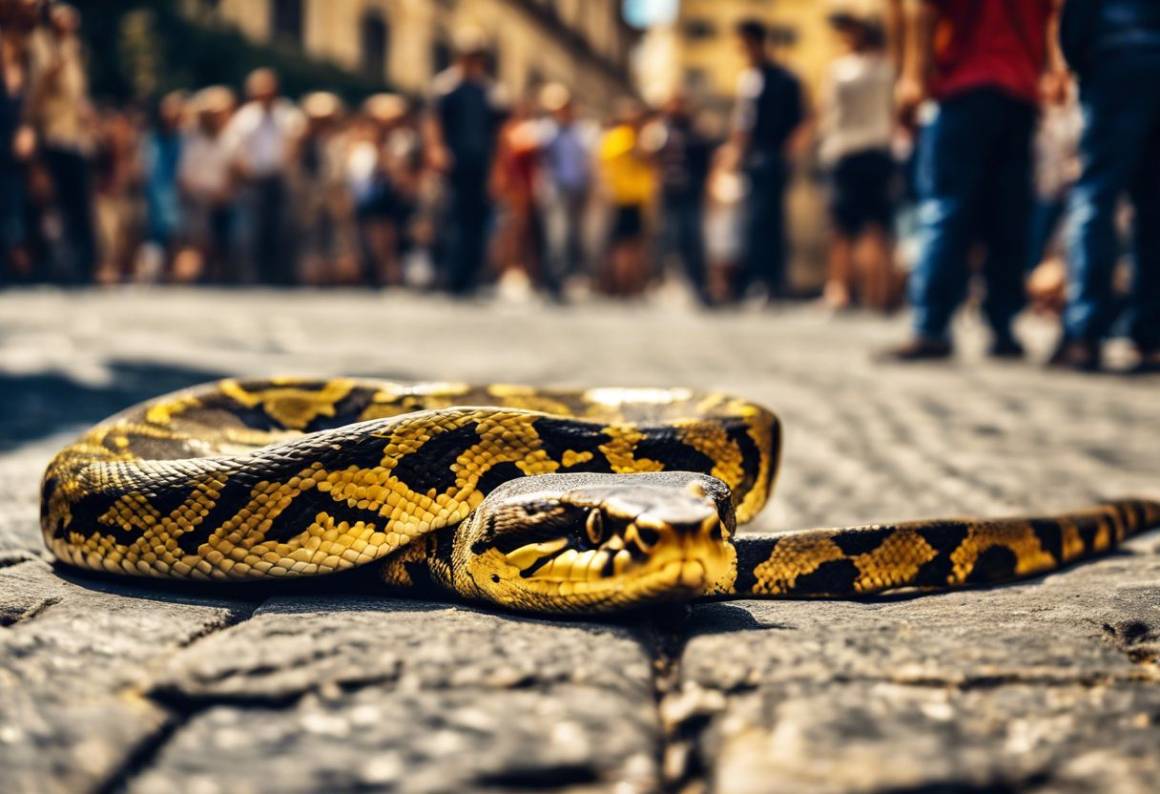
(594, 527)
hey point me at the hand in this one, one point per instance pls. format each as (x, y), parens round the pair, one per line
(1055, 87)
(24, 143)
(909, 93)
(439, 159)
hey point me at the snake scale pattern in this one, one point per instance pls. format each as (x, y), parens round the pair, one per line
(532, 499)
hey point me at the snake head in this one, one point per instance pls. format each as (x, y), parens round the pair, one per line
(597, 542)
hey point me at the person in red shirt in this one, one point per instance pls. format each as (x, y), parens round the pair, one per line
(985, 65)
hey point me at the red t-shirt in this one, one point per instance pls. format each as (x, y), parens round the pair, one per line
(996, 43)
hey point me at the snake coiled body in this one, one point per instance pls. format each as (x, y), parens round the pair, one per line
(544, 500)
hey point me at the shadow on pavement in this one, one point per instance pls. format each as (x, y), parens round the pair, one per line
(37, 405)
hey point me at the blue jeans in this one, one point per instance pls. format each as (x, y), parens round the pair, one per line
(765, 244)
(974, 185)
(681, 234)
(1120, 151)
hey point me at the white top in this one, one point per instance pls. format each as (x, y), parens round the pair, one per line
(204, 169)
(260, 139)
(858, 111)
(59, 91)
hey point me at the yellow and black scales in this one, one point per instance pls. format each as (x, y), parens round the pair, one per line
(545, 500)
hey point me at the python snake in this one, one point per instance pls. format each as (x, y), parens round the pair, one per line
(533, 499)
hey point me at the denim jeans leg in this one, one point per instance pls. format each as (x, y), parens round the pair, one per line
(1116, 120)
(1144, 301)
(1006, 215)
(691, 243)
(765, 245)
(951, 150)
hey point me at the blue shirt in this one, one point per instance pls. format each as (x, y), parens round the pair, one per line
(567, 158)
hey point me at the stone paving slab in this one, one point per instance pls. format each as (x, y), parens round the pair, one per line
(1050, 685)
(74, 657)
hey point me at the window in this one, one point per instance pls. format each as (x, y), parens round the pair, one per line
(441, 55)
(374, 41)
(699, 29)
(286, 21)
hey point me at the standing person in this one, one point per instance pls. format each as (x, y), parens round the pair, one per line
(17, 140)
(323, 206)
(460, 141)
(724, 221)
(769, 109)
(1114, 47)
(206, 178)
(63, 116)
(371, 174)
(161, 157)
(982, 61)
(518, 233)
(857, 127)
(683, 156)
(629, 182)
(116, 179)
(262, 137)
(565, 187)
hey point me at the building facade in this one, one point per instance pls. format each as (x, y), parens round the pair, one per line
(584, 44)
(697, 51)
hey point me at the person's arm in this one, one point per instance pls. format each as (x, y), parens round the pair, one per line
(435, 151)
(1056, 77)
(745, 113)
(894, 33)
(918, 33)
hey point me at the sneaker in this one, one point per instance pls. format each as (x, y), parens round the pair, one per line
(1006, 347)
(918, 349)
(1077, 355)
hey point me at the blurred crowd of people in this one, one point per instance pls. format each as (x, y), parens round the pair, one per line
(467, 188)
(971, 131)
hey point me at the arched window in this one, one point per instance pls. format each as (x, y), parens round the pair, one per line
(286, 21)
(374, 42)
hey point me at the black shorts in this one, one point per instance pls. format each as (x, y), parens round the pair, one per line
(627, 222)
(862, 191)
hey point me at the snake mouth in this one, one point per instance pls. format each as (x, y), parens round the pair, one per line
(600, 543)
(634, 565)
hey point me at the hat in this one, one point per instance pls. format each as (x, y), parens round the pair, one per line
(470, 41)
(213, 99)
(554, 97)
(385, 108)
(321, 105)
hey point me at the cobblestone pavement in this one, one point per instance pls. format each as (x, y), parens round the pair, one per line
(1048, 686)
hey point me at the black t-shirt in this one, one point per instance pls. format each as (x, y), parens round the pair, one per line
(469, 116)
(684, 159)
(769, 110)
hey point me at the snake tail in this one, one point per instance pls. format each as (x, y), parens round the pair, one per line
(930, 555)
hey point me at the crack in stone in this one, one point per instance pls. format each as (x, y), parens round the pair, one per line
(664, 640)
(146, 752)
(31, 613)
(10, 558)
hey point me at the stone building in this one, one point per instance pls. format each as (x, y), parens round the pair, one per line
(697, 50)
(582, 43)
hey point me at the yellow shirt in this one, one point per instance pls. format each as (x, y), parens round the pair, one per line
(627, 175)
